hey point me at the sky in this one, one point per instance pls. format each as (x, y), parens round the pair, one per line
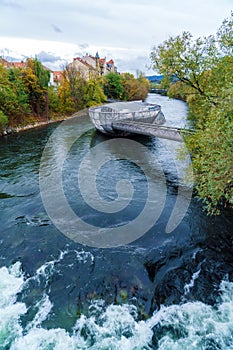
(56, 31)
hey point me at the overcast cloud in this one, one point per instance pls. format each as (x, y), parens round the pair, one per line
(125, 30)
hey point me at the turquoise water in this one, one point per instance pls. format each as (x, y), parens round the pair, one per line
(160, 291)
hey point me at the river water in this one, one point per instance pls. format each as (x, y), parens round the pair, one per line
(149, 288)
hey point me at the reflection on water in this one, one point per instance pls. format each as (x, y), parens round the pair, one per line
(58, 294)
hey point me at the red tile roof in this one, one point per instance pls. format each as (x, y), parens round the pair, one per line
(57, 72)
(102, 60)
(110, 62)
(57, 75)
(21, 64)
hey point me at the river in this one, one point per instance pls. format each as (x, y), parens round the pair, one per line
(128, 283)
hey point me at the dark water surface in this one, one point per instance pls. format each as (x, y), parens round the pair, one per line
(161, 291)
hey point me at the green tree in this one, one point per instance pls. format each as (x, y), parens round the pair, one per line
(36, 80)
(113, 87)
(21, 107)
(186, 60)
(3, 120)
(13, 95)
(95, 93)
(55, 105)
(203, 71)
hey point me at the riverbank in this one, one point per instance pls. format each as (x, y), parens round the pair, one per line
(33, 125)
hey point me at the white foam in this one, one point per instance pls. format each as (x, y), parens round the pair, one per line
(11, 282)
(42, 339)
(84, 257)
(187, 326)
(199, 326)
(116, 328)
(190, 285)
(44, 307)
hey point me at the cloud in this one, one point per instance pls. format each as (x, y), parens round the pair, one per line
(10, 55)
(123, 29)
(11, 4)
(83, 46)
(4, 51)
(137, 63)
(56, 28)
(53, 61)
(48, 57)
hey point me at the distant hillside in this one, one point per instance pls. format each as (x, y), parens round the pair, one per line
(155, 78)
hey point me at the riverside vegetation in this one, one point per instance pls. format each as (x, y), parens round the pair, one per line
(26, 97)
(203, 73)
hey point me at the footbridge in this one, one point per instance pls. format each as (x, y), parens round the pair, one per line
(162, 131)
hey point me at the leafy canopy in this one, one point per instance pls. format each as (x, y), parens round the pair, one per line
(203, 71)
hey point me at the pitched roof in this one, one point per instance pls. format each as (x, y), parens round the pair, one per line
(57, 72)
(57, 75)
(102, 60)
(83, 62)
(91, 57)
(21, 64)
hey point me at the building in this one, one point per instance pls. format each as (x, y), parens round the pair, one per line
(85, 69)
(8, 64)
(90, 66)
(91, 60)
(57, 77)
(111, 66)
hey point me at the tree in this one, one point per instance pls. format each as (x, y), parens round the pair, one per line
(144, 86)
(135, 89)
(21, 105)
(113, 87)
(126, 86)
(213, 161)
(13, 95)
(77, 85)
(95, 93)
(36, 79)
(3, 120)
(67, 103)
(203, 71)
(54, 101)
(185, 60)
(75, 92)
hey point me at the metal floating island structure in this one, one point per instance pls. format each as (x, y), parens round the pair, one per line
(134, 117)
(106, 117)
